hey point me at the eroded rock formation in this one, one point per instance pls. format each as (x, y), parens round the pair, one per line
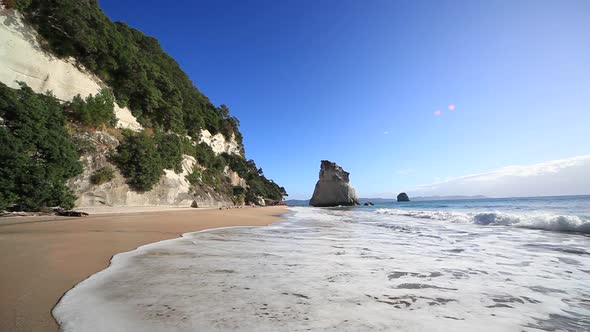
(333, 188)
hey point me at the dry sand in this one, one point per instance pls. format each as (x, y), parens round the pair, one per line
(41, 258)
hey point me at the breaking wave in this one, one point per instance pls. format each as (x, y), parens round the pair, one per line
(543, 221)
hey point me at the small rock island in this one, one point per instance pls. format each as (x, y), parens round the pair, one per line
(403, 197)
(333, 188)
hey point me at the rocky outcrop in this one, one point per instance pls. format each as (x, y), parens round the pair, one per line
(260, 201)
(205, 198)
(219, 144)
(369, 204)
(173, 189)
(333, 188)
(403, 197)
(234, 177)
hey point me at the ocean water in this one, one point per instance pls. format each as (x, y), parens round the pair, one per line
(480, 265)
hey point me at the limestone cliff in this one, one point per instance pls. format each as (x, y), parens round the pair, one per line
(23, 59)
(333, 188)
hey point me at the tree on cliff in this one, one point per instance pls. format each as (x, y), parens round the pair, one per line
(139, 161)
(258, 184)
(94, 111)
(170, 149)
(37, 156)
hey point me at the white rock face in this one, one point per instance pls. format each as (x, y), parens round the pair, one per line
(219, 144)
(177, 184)
(22, 59)
(125, 119)
(235, 178)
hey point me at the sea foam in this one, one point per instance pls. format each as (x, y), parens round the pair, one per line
(341, 270)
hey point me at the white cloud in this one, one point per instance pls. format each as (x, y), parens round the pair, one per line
(386, 133)
(558, 177)
(405, 171)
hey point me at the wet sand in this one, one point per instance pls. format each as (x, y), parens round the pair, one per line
(41, 258)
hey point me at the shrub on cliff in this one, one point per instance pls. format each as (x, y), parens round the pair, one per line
(195, 178)
(205, 155)
(258, 184)
(170, 148)
(37, 156)
(103, 175)
(237, 164)
(139, 160)
(239, 195)
(93, 111)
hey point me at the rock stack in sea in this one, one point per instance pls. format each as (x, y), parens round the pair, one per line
(333, 188)
(403, 197)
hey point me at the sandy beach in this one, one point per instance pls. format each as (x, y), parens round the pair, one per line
(43, 257)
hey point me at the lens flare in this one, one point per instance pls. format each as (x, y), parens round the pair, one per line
(451, 107)
(437, 112)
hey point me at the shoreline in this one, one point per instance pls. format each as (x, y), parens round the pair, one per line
(45, 256)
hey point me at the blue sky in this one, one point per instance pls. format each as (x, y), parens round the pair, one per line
(359, 82)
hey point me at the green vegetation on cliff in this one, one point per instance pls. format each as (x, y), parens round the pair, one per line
(103, 175)
(170, 148)
(93, 111)
(37, 156)
(139, 160)
(134, 65)
(258, 184)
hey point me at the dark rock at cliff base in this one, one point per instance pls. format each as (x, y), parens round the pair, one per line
(70, 213)
(333, 187)
(403, 197)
